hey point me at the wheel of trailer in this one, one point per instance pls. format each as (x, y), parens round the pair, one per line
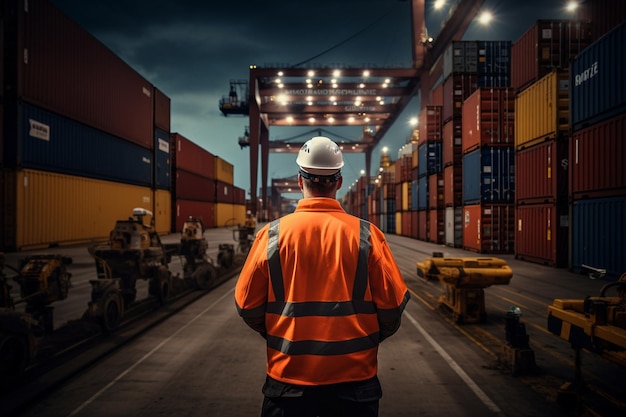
(205, 276)
(159, 285)
(14, 356)
(112, 311)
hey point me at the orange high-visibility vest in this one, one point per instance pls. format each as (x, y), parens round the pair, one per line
(322, 279)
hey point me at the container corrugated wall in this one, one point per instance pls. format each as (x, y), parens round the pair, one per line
(546, 45)
(597, 80)
(489, 175)
(488, 118)
(82, 208)
(489, 228)
(190, 208)
(597, 155)
(228, 215)
(542, 110)
(162, 160)
(192, 157)
(598, 229)
(541, 234)
(190, 186)
(54, 143)
(224, 170)
(162, 211)
(63, 68)
(542, 172)
(162, 110)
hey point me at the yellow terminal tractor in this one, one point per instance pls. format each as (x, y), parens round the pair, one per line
(464, 280)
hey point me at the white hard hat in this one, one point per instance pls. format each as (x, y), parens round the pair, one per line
(320, 156)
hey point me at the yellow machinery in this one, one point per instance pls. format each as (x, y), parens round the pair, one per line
(464, 280)
(596, 324)
(43, 280)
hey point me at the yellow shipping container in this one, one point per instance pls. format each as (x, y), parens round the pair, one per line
(542, 110)
(405, 196)
(163, 211)
(53, 208)
(229, 215)
(398, 223)
(224, 171)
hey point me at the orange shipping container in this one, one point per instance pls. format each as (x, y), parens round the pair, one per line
(488, 118)
(489, 228)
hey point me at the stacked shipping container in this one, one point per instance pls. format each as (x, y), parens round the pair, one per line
(541, 58)
(468, 66)
(84, 138)
(76, 117)
(488, 170)
(597, 180)
(203, 187)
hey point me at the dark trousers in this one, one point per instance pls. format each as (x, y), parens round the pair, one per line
(346, 399)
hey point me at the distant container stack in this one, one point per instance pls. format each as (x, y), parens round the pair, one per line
(203, 187)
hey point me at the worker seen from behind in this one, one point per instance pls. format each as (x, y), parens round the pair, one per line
(323, 289)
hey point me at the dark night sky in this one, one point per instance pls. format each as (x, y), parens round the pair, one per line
(190, 49)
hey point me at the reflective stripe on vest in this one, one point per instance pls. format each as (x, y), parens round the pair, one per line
(357, 305)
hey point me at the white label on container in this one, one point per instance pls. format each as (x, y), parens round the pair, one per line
(146, 160)
(147, 92)
(164, 145)
(39, 130)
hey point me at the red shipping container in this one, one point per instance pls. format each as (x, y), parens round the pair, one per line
(453, 185)
(240, 196)
(224, 192)
(542, 173)
(452, 133)
(187, 208)
(191, 157)
(541, 234)
(547, 45)
(596, 160)
(604, 15)
(422, 225)
(64, 69)
(456, 89)
(162, 110)
(436, 95)
(190, 186)
(430, 124)
(414, 224)
(435, 191)
(489, 228)
(488, 118)
(437, 226)
(407, 225)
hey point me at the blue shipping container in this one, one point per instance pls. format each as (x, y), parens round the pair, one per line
(489, 175)
(162, 160)
(429, 158)
(597, 86)
(599, 235)
(422, 193)
(49, 142)
(494, 58)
